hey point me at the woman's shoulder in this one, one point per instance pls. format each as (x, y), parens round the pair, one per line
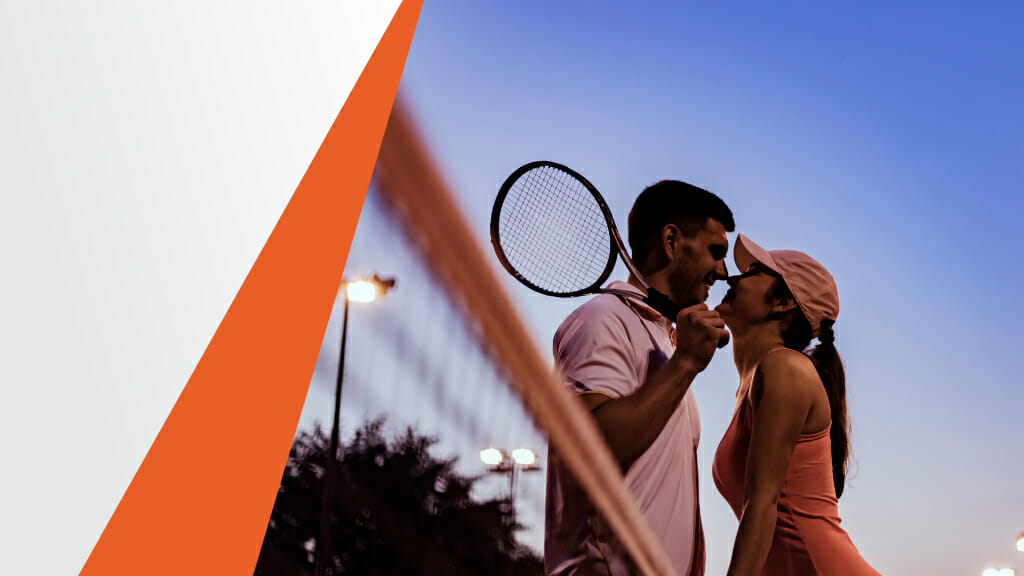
(782, 358)
(787, 374)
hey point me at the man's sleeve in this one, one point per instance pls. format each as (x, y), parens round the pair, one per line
(594, 354)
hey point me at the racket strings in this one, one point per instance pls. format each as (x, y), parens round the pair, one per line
(553, 232)
(589, 250)
(543, 227)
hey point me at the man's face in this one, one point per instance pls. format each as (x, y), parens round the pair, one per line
(698, 261)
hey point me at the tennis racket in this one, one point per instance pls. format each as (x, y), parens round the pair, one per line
(552, 231)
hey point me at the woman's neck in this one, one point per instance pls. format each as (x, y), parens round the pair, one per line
(750, 348)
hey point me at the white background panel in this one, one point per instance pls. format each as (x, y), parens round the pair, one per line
(146, 152)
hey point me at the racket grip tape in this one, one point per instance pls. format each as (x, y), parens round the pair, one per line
(667, 308)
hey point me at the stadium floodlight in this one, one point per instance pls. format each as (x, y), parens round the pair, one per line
(367, 290)
(361, 291)
(491, 456)
(355, 291)
(522, 460)
(524, 456)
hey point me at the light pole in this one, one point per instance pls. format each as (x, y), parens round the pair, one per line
(522, 460)
(357, 291)
(1020, 542)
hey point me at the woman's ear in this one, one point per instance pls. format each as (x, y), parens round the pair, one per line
(784, 305)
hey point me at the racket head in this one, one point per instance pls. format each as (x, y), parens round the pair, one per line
(552, 230)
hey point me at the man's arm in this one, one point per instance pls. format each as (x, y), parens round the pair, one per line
(632, 423)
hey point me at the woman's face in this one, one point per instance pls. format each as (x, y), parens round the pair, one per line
(749, 299)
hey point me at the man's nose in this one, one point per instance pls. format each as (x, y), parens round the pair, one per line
(722, 271)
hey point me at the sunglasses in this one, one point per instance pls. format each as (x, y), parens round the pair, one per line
(754, 269)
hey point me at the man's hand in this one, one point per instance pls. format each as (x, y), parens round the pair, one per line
(698, 331)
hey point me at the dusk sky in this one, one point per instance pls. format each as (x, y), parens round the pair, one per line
(886, 141)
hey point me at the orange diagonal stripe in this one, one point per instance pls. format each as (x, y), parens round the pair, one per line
(200, 501)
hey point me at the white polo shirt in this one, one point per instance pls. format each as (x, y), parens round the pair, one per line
(607, 346)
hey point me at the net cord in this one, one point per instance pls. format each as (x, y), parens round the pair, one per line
(415, 190)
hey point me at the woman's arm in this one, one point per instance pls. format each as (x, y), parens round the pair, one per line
(781, 398)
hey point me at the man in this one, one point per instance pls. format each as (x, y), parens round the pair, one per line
(617, 355)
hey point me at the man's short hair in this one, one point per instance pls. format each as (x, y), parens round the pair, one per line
(672, 202)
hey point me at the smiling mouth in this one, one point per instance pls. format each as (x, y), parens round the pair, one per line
(707, 289)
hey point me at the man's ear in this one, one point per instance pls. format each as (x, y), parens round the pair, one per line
(670, 237)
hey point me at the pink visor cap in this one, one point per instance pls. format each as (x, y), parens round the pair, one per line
(812, 286)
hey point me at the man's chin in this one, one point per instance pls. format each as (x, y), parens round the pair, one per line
(693, 300)
(700, 296)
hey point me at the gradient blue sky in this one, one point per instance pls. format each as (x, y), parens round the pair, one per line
(885, 140)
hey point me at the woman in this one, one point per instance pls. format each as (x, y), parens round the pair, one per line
(782, 462)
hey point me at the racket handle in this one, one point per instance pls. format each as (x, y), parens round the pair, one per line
(667, 308)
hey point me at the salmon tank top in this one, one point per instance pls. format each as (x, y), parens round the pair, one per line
(808, 539)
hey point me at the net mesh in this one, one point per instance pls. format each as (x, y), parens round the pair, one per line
(553, 232)
(434, 372)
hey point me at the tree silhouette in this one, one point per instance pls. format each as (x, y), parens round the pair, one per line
(398, 511)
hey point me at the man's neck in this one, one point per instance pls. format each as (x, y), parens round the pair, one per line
(655, 280)
(634, 281)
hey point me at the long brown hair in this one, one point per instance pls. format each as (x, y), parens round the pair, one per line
(829, 366)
